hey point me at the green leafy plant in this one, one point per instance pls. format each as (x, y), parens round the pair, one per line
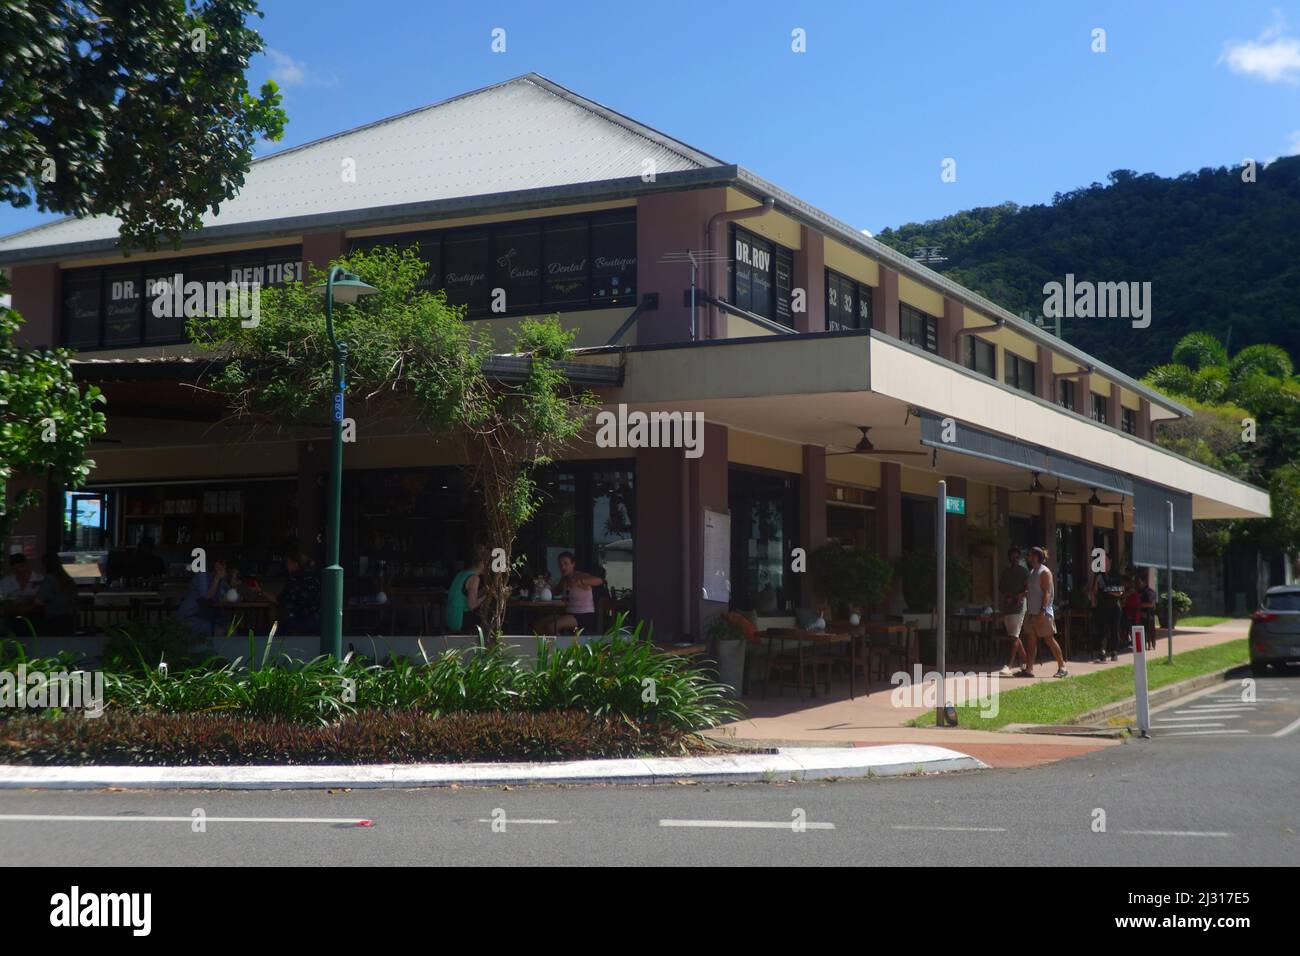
(146, 644)
(1182, 604)
(409, 352)
(850, 577)
(918, 575)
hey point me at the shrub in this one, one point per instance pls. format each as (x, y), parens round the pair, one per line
(850, 577)
(917, 575)
(143, 644)
(404, 736)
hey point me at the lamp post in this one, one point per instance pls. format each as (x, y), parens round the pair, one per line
(348, 288)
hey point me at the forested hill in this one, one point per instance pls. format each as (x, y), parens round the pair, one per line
(1223, 256)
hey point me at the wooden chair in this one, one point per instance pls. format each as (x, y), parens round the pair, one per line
(804, 660)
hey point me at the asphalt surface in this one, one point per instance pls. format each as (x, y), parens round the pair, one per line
(1177, 799)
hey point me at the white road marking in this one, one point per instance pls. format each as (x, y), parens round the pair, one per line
(1203, 716)
(1289, 728)
(58, 818)
(1206, 708)
(509, 820)
(1180, 726)
(1177, 833)
(747, 824)
(963, 829)
(1205, 733)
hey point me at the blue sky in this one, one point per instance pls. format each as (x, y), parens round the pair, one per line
(861, 122)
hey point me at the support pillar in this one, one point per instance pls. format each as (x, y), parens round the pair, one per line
(812, 513)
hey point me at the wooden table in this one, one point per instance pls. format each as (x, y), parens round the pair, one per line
(802, 636)
(530, 606)
(259, 613)
(985, 620)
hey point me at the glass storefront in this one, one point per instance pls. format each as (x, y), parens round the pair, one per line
(764, 527)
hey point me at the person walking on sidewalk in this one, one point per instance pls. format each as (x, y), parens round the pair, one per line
(1040, 619)
(1013, 586)
(1104, 595)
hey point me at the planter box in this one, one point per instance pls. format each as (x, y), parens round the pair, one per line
(731, 665)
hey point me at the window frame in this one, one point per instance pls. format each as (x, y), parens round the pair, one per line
(778, 298)
(861, 295)
(929, 327)
(1016, 368)
(974, 342)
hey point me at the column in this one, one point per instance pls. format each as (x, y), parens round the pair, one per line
(884, 303)
(319, 249)
(953, 318)
(37, 292)
(1044, 376)
(810, 275)
(812, 513)
(675, 222)
(889, 525)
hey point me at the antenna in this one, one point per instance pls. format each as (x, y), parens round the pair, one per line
(697, 258)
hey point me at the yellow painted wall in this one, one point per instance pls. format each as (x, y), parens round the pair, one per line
(851, 263)
(759, 451)
(739, 327)
(853, 470)
(232, 459)
(772, 225)
(922, 297)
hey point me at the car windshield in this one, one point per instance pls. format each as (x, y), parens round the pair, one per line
(1288, 601)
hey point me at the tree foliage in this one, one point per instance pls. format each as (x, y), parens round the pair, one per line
(131, 108)
(1222, 254)
(410, 354)
(46, 420)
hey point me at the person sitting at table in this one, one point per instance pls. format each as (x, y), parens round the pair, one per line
(465, 596)
(580, 602)
(299, 600)
(57, 597)
(205, 587)
(20, 583)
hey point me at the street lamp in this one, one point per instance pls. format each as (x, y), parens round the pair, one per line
(348, 288)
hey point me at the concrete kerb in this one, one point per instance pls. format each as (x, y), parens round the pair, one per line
(794, 763)
(1128, 707)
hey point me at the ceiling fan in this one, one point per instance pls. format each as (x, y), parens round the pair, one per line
(865, 447)
(1094, 500)
(1036, 487)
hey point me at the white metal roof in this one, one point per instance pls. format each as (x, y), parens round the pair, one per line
(525, 133)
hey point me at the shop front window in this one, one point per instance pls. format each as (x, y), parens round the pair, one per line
(764, 526)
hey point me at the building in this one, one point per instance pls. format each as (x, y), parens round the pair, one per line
(697, 286)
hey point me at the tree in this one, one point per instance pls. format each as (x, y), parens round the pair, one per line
(46, 420)
(410, 354)
(131, 108)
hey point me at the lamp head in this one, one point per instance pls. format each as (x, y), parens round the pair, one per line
(346, 287)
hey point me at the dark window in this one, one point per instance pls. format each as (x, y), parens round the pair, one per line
(613, 259)
(123, 300)
(566, 265)
(1065, 393)
(1128, 420)
(118, 306)
(848, 303)
(759, 271)
(1018, 372)
(917, 328)
(81, 308)
(764, 527)
(982, 357)
(519, 265)
(1099, 408)
(467, 257)
(1286, 601)
(918, 524)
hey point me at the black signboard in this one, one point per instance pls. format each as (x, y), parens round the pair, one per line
(565, 263)
(848, 303)
(81, 309)
(123, 300)
(613, 260)
(467, 259)
(519, 265)
(161, 295)
(784, 285)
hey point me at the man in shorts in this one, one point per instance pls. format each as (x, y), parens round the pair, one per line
(1013, 586)
(1040, 620)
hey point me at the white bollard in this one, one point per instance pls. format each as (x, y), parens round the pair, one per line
(1139, 637)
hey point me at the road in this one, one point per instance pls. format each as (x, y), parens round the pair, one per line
(1177, 799)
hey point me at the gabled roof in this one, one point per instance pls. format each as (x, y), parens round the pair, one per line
(525, 133)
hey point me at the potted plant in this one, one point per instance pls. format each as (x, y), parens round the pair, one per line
(851, 580)
(727, 635)
(918, 574)
(1182, 604)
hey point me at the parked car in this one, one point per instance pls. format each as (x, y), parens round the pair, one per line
(1275, 629)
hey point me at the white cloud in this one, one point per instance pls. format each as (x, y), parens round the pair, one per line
(1292, 144)
(867, 233)
(1272, 57)
(287, 71)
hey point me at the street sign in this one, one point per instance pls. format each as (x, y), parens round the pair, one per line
(955, 505)
(338, 406)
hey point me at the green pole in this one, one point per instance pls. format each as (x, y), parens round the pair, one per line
(331, 609)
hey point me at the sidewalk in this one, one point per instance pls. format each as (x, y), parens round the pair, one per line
(835, 720)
